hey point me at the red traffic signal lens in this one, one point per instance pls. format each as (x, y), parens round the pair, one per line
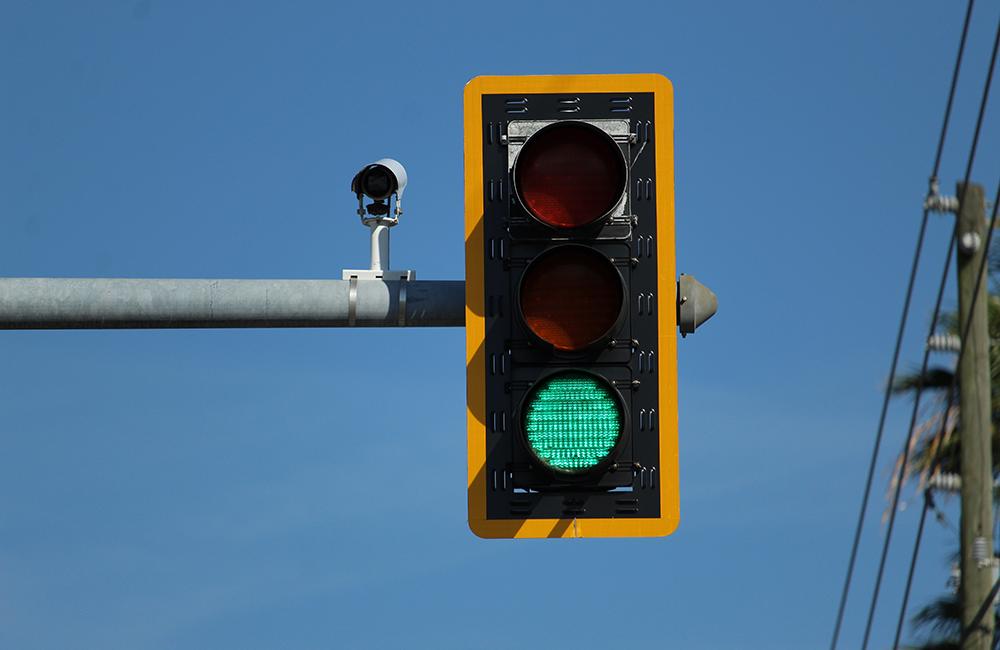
(571, 297)
(570, 174)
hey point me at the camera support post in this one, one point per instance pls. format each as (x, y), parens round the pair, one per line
(379, 268)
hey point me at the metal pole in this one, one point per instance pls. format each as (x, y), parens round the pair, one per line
(85, 303)
(380, 246)
(975, 427)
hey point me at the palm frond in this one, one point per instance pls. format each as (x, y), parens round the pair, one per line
(943, 617)
(934, 379)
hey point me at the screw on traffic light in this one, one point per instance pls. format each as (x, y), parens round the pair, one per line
(572, 307)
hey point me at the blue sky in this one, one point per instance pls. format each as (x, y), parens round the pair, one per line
(215, 489)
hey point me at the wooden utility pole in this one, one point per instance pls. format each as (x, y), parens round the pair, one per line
(976, 427)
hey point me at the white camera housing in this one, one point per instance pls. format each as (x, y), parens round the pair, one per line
(397, 170)
(380, 180)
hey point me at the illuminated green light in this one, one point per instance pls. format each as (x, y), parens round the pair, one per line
(572, 421)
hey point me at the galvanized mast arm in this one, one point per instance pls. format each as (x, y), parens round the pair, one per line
(86, 303)
(116, 303)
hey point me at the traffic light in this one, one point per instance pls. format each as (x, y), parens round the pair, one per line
(571, 306)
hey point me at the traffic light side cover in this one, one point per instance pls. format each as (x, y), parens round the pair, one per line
(475, 308)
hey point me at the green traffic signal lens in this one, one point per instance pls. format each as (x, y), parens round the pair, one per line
(572, 421)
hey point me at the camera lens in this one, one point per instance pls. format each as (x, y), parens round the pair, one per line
(377, 182)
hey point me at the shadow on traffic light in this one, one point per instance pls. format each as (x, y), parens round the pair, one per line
(475, 293)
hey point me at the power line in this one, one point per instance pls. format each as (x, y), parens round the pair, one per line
(983, 608)
(899, 335)
(951, 90)
(906, 446)
(928, 502)
(913, 563)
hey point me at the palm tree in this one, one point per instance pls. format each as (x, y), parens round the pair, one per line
(935, 449)
(942, 620)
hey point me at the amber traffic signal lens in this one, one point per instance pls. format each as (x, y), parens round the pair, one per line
(571, 297)
(570, 174)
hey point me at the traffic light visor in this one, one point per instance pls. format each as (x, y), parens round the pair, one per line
(572, 421)
(571, 297)
(570, 174)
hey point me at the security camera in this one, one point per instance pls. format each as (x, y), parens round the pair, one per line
(379, 181)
